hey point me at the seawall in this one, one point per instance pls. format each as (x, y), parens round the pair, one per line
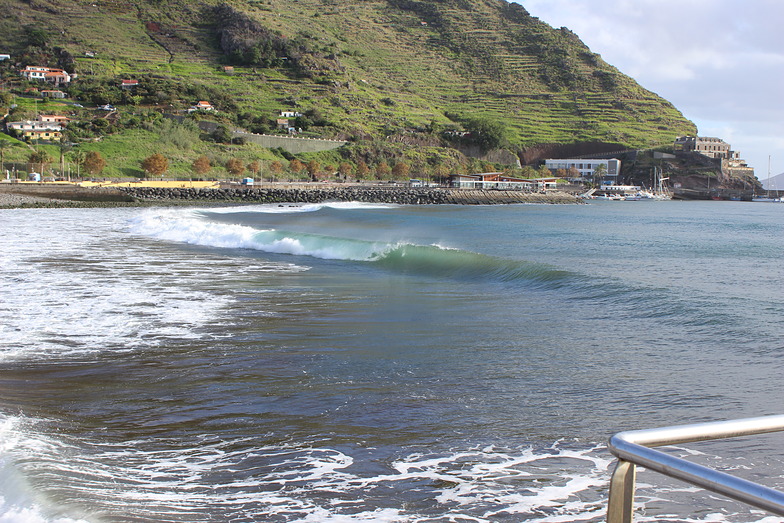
(412, 196)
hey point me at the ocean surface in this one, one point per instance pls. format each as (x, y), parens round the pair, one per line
(354, 362)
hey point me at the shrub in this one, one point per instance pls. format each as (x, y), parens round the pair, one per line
(157, 164)
(93, 162)
(235, 166)
(201, 165)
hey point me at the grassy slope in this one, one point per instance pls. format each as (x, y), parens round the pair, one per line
(398, 73)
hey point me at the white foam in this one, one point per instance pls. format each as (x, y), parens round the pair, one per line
(80, 289)
(214, 478)
(18, 501)
(291, 208)
(296, 483)
(191, 227)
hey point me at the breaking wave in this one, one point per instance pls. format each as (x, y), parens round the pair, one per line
(431, 260)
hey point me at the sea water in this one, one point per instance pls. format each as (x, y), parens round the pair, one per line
(349, 362)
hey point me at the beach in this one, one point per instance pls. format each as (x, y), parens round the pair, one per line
(11, 200)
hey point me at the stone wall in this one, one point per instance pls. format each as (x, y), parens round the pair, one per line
(414, 196)
(292, 145)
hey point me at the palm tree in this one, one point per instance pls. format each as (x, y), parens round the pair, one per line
(599, 173)
(78, 158)
(64, 148)
(41, 158)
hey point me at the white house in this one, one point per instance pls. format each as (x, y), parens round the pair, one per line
(48, 74)
(289, 114)
(31, 130)
(53, 118)
(32, 125)
(201, 106)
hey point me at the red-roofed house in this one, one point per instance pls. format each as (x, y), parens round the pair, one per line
(53, 118)
(129, 84)
(55, 76)
(201, 106)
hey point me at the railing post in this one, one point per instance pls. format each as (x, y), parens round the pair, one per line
(620, 508)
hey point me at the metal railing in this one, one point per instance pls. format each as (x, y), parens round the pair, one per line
(633, 448)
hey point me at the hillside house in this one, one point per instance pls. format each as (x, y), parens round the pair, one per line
(33, 125)
(4, 57)
(52, 93)
(53, 119)
(586, 168)
(43, 135)
(201, 106)
(289, 114)
(48, 74)
(36, 130)
(129, 84)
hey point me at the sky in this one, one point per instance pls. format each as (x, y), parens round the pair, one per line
(720, 62)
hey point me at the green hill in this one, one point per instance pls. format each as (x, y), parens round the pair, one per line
(383, 74)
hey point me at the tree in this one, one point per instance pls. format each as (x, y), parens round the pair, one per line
(401, 170)
(313, 169)
(201, 165)
(487, 133)
(37, 37)
(4, 146)
(93, 162)
(78, 157)
(441, 172)
(157, 164)
(276, 168)
(40, 159)
(599, 172)
(254, 167)
(528, 172)
(344, 169)
(64, 147)
(362, 170)
(6, 99)
(221, 134)
(382, 170)
(235, 166)
(296, 166)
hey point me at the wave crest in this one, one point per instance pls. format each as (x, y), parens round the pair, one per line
(428, 260)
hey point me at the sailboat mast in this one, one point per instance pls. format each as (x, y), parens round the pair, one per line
(768, 175)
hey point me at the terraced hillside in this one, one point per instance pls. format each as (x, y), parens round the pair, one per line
(369, 68)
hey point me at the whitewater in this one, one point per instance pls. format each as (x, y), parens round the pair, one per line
(361, 362)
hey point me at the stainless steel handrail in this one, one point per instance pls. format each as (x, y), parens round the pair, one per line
(633, 448)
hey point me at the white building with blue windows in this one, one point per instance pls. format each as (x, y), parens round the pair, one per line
(585, 167)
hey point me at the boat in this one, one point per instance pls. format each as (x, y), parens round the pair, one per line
(767, 198)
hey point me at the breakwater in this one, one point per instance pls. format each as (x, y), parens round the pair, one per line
(412, 196)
